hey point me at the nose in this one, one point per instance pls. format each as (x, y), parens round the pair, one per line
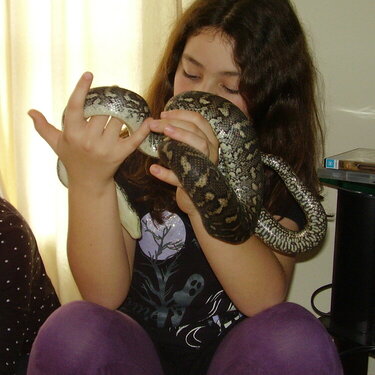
(207, 86)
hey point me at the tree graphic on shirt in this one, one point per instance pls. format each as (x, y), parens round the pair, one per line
(158, 294)
(174, 245)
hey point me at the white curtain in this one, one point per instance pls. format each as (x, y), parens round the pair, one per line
(45, 45)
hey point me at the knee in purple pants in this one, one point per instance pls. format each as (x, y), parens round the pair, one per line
(283, 340)
(85, 338)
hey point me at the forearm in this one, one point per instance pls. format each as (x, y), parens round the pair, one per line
(97, 252)
(250, 273)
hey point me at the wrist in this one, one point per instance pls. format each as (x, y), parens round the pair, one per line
(91, 186)
(195, 217)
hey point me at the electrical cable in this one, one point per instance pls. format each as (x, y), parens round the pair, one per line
(354, 350)
(312, 300)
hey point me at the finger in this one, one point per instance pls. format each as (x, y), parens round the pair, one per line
(197, 140)
(159, 126)
(164, 174)
(113, 128)
(189, 117)
(182, 114)
(96, 125)
(135, 139)
(74, 108)
(182, 131)
(46, 130)
(188, 134)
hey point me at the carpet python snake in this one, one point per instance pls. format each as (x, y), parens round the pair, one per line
(228, 196)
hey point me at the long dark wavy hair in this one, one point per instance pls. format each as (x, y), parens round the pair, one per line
(277, 82)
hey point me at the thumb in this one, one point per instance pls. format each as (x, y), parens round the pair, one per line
(47, 131)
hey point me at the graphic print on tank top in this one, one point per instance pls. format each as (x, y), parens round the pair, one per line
(173, 286)
(161, 242)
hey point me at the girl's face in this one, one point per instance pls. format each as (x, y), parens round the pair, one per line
(207, 65)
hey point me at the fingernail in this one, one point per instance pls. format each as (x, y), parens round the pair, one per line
(153, 124)
(87, 75)
(169, 129)
(155, 169)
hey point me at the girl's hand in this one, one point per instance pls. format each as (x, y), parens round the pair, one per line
(91, 150)
(190, 128)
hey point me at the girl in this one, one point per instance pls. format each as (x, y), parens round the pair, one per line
(188, 303)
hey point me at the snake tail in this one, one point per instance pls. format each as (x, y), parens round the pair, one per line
(277, 236)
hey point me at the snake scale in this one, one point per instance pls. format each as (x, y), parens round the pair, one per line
(228, 196)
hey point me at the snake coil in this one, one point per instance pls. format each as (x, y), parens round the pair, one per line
(228, 196)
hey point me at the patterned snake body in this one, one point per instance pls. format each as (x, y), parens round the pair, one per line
(228, 196)
(277, 236)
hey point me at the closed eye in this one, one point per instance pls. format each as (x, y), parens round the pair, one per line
(230, 91)
(190, 76)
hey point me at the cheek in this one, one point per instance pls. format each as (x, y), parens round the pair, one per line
(179, 84)
(241, 104)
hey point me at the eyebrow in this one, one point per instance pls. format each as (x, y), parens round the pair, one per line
(231, 73)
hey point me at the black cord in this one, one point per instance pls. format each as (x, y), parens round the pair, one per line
(312, 301)
(354, 350)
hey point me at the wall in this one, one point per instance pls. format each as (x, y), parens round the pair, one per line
(341, 33)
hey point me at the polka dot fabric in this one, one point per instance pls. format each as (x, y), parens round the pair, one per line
(27, 296)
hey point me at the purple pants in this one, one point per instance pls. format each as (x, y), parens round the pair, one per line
(87, 339)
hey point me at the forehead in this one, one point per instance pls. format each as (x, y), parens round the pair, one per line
(211, 48)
